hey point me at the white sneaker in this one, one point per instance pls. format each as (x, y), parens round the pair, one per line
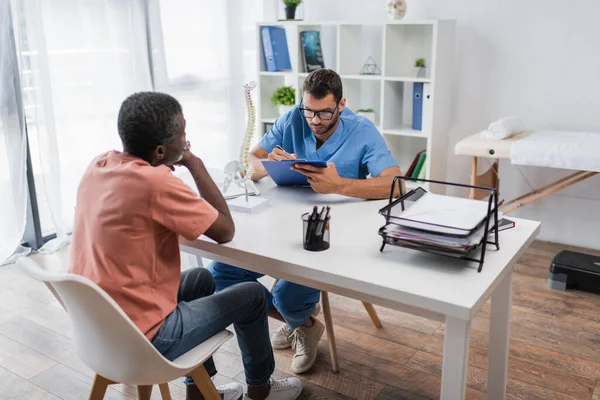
(282, 338)
(306, 341)
(231, 391)
(284, 389)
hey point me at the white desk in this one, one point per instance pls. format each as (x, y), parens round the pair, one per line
(436, 287)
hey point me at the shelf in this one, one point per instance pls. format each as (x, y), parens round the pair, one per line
(406, 79)
(405, 131)
(276, 73)
(354, 22)
(394, 46)
(363, 77)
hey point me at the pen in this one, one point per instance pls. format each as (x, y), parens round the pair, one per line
(319, 229)
(310, 224)
(324, 224)
(280, 148)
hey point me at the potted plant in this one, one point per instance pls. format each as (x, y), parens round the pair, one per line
(290, 8)
(285, 98)
(420, 68)
(368, 113)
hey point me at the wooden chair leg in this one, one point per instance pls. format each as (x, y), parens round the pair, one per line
(99, 388)
(330, 334)
(164, 391)
(144, 392)
(373, 314)
(203, 382)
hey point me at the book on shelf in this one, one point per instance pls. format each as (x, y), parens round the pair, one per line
(419, 166)
(413, 164)
(311, 50)
(423, 172)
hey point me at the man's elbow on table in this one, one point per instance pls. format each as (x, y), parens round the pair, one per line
(222, 230)
(256, 156)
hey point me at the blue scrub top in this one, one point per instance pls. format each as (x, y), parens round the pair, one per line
(356, 147)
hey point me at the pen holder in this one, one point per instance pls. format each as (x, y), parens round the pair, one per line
(315, 234)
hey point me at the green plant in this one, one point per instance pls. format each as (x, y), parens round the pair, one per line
(365, 110)
(285, 96)
(420, 63)
(292, 3)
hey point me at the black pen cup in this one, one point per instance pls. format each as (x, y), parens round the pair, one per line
(315, 233)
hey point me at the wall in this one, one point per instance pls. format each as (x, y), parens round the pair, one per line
(536, 59)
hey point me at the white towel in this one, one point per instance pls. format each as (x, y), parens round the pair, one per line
(503, 128)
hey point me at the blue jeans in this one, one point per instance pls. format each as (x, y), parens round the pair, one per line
(294, 302)
(201, 314)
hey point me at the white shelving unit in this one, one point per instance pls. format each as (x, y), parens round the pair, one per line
(394, 46)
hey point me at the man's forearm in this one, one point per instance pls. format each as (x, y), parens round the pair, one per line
(369, 189)
(207, 187)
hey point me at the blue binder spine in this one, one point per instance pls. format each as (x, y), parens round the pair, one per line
(417, 120)
(277, 55)
(267, 48)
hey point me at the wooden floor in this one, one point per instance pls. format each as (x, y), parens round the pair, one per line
(554, 348)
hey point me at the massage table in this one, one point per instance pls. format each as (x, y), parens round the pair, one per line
(579, 151)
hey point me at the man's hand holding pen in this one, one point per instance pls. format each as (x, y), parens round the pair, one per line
(279, 154)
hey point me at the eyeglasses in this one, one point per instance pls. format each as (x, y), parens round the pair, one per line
(324, 115)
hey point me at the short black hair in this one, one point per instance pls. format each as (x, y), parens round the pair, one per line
(147, 120)
(322, 82)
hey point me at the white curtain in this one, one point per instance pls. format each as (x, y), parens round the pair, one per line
(79, 60)
(13, 182)
(203, 52)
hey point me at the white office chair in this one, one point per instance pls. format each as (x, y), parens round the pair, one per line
(109, 343)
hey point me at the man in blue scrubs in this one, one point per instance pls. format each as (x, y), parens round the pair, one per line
(321, 128)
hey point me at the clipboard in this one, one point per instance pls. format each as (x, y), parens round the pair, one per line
(282, 175)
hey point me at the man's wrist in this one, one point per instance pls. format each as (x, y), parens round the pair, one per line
(343, 187)
(193, 162)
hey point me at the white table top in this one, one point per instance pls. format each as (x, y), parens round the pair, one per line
(271, 243)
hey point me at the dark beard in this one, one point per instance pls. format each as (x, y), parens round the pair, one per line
(330, 126)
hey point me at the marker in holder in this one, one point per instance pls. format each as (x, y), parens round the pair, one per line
(315, 229)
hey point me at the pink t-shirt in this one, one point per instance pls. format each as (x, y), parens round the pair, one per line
(128, 219)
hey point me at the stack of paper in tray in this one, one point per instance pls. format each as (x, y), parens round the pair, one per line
(437, 222)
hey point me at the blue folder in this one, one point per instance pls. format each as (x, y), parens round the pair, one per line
(282, 175)
(275, 49)
(417, 122)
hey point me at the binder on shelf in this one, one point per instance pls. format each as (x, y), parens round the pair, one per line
(426, 115)
(417, 113)
(275, 49)
(311, 50)
(438, 224)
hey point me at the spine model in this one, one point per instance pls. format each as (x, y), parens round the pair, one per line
(250, 128)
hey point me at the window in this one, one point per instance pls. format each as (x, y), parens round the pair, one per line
(79, 60)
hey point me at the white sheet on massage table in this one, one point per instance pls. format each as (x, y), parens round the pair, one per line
(558, 149)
